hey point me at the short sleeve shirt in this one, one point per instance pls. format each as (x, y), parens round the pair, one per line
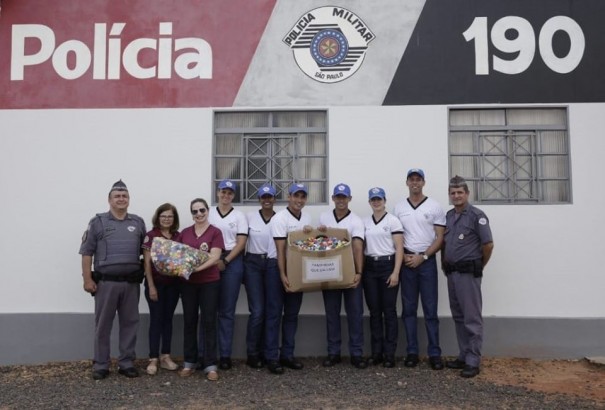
(465, 234)
(232, 224)
(211, 238)
(419, 223)
(285, 222)
(131, 229)
(379, 235)
(351, 222)
(260, 239)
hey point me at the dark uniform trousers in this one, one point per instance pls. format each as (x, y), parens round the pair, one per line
(281, 310)
(123, 298)
(353, 299)
(382, 304)
(422, 282)
(466, 305)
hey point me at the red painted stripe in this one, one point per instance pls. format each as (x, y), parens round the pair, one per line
(232, 30)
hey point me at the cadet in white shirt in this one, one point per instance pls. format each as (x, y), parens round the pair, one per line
(282, 305)
(383, 261)
(342, 217)
(234, 226)
(258, 268)
(423, 223)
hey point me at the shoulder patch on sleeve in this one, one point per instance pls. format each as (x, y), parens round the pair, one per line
(482, 221)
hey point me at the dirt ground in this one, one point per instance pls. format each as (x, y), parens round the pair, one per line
(558, 384)
(570, 377)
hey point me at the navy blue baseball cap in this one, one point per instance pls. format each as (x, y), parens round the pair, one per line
(376, 192)
(296, 187)
(227, 184)
(266, 189)
(342, 189)
(416, 171)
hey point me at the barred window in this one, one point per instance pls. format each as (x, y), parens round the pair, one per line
(279, 147)
(512, 155)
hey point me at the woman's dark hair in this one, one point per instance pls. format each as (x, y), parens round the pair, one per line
(163, 208)
(196, 200)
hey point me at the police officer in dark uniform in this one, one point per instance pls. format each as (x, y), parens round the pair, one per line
(466, 249)
(113, 242)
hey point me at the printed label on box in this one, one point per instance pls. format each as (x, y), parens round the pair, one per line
(322, 269)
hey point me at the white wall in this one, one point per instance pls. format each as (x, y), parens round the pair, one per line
(56, 167)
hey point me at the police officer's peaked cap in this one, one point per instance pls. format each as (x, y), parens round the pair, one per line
(118, 186)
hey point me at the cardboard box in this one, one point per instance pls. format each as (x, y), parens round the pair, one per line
(318, 270)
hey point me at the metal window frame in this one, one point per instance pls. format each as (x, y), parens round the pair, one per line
(510, 185)
(247, 194)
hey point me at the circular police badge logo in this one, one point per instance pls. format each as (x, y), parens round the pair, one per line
(329, 43)
(329, 47)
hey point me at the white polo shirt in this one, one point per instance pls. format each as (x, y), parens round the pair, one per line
(260, 238)
(350, 222)
(284, 222)
(379, 235)
(419, 223)
(232, 224)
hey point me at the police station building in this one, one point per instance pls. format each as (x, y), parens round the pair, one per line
(172, 97)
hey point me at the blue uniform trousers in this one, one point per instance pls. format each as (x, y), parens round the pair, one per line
(281, 310)
(231, 282)
(354, 309)
(421, 282)
(256, 268)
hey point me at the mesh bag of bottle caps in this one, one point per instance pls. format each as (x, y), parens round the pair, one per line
(174, 258)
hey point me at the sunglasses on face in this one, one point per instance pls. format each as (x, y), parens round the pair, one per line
(201, 211)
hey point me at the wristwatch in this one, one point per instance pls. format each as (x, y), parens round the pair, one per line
(425, 256)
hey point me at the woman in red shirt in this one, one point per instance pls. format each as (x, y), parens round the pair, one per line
(161, 292)
(201, 292)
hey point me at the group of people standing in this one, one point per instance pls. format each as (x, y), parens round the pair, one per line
(389, 251)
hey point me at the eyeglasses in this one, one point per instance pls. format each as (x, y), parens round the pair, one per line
(196, 211)
(166, 216)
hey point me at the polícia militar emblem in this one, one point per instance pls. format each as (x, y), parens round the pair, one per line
(329, 47)
(329, 43)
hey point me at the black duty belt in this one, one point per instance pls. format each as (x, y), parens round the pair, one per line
(115, 278)
(134, 277)
(474, 267)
